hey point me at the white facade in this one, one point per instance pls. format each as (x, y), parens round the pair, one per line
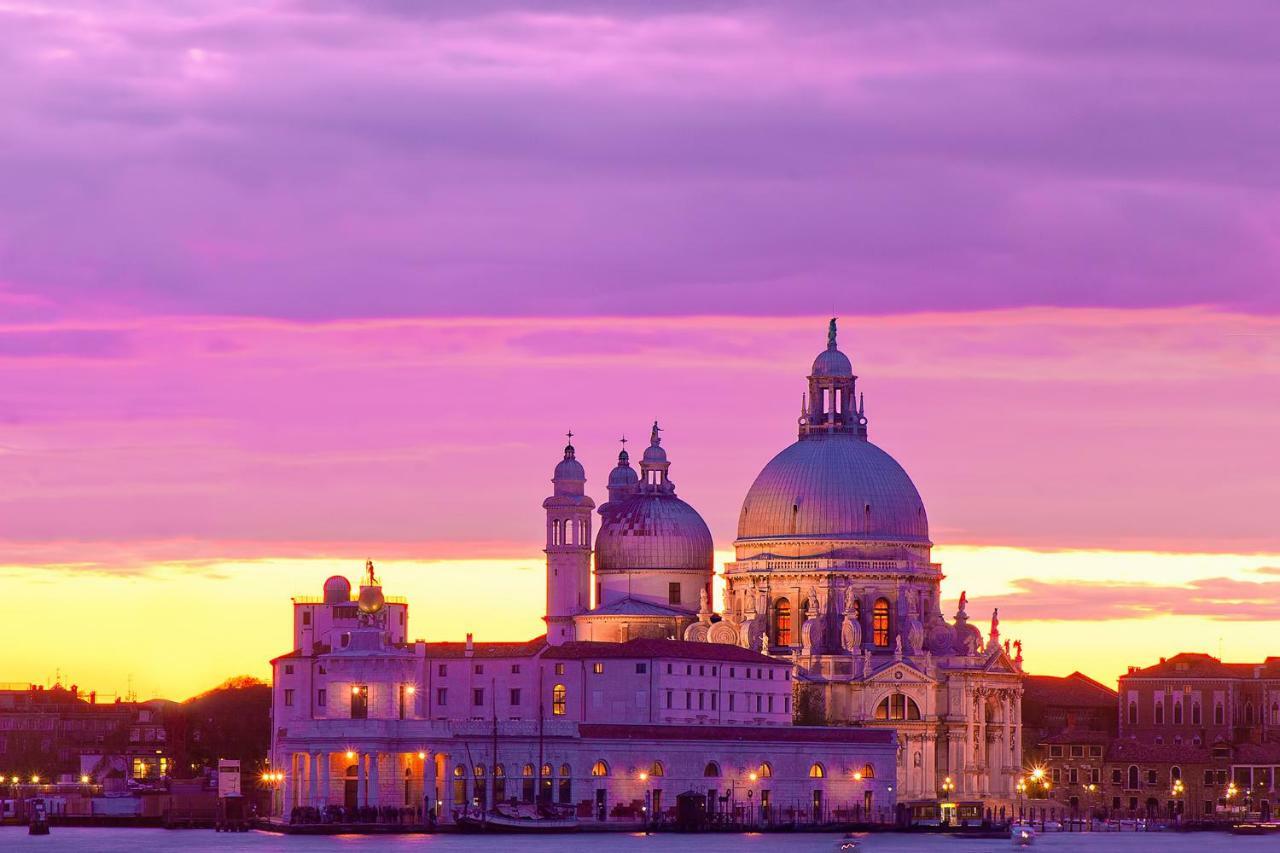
(360, 720)
(833, 573)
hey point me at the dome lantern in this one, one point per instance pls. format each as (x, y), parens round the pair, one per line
(829, 406)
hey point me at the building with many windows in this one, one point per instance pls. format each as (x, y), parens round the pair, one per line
(832, 618)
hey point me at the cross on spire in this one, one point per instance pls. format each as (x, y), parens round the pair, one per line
(624, 441)
(570, 434)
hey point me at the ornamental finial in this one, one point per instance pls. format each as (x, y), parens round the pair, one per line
(831, 334)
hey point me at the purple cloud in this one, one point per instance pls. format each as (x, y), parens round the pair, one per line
(322, 161)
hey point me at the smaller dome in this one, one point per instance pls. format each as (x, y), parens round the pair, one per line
(371, 599)
(337, 590)
(654, 453)
(831, 362)
(624, 475)
(569, 468)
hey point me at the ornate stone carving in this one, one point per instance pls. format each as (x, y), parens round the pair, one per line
(811, 630)
(723, 632)
(851, 634)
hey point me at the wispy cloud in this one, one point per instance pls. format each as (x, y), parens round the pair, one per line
(1227, 599)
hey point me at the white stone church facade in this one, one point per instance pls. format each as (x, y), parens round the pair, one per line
(830, 666)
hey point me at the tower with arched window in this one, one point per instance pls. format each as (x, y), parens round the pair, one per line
(568, 547)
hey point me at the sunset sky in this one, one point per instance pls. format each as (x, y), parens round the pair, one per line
(288, 285)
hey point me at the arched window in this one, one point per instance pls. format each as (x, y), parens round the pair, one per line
(880, 622)
(600, 769)
(499, 783)
(1133, 777)
(558, 700)
(459, 771)
(1133, 713)
(565, 770)
(657, 769)
(868, 771)
(1219, 715)
(479, 773)
(817, 771)
(766, 770)
(897, 707)
(548, 771)
(712, 770)
(1175, 773)
(1177, 713)
(1159, 713)
(557, 532)
(782, 622)
(1195, 713)
(527, 770)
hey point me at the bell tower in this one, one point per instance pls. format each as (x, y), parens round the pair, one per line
(568, 547)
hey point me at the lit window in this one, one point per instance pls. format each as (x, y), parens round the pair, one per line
(597, 668)
(600, 769)
(559, 698)
(880, 622)
(817, 771)
(782, 622)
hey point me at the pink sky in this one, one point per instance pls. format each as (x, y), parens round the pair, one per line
(328, 280)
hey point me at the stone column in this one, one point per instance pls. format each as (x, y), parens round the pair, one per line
(446, 790)
(323, 775)
(286, 790)
(1017, 732)
(362, 788)
(375, 791)
(313, 784)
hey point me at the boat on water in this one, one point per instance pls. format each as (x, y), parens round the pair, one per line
(1022, 835)
(521, 818)
(848, 842)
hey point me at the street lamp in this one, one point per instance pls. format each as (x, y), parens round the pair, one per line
(644, 780)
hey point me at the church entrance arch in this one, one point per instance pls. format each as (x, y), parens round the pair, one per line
(351, 789)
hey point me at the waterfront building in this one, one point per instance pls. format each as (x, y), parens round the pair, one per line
(610, 730)
(833, 573)
(60, 733)
(831, 654)
(1068, 722)
(1228, 714)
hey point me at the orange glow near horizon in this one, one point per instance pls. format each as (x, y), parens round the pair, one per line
(210, 621)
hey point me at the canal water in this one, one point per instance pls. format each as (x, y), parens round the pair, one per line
(86, 840)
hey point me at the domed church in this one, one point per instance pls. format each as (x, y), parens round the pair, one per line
(653, 554)
(833, 573)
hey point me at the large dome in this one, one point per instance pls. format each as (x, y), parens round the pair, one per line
(836, 486)
(653, 531)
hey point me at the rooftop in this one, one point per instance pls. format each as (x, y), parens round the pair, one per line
(1076, 690)
(772, 734)
(646, 648)
(1200, 665)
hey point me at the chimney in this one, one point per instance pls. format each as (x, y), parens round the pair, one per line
(471, 646)
(1162, 660)
(93, 697)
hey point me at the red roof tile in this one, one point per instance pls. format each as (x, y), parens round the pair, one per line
(1075, 690)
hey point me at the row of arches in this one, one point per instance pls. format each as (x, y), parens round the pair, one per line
(569, 531)
(783, 632)
(712, 770)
